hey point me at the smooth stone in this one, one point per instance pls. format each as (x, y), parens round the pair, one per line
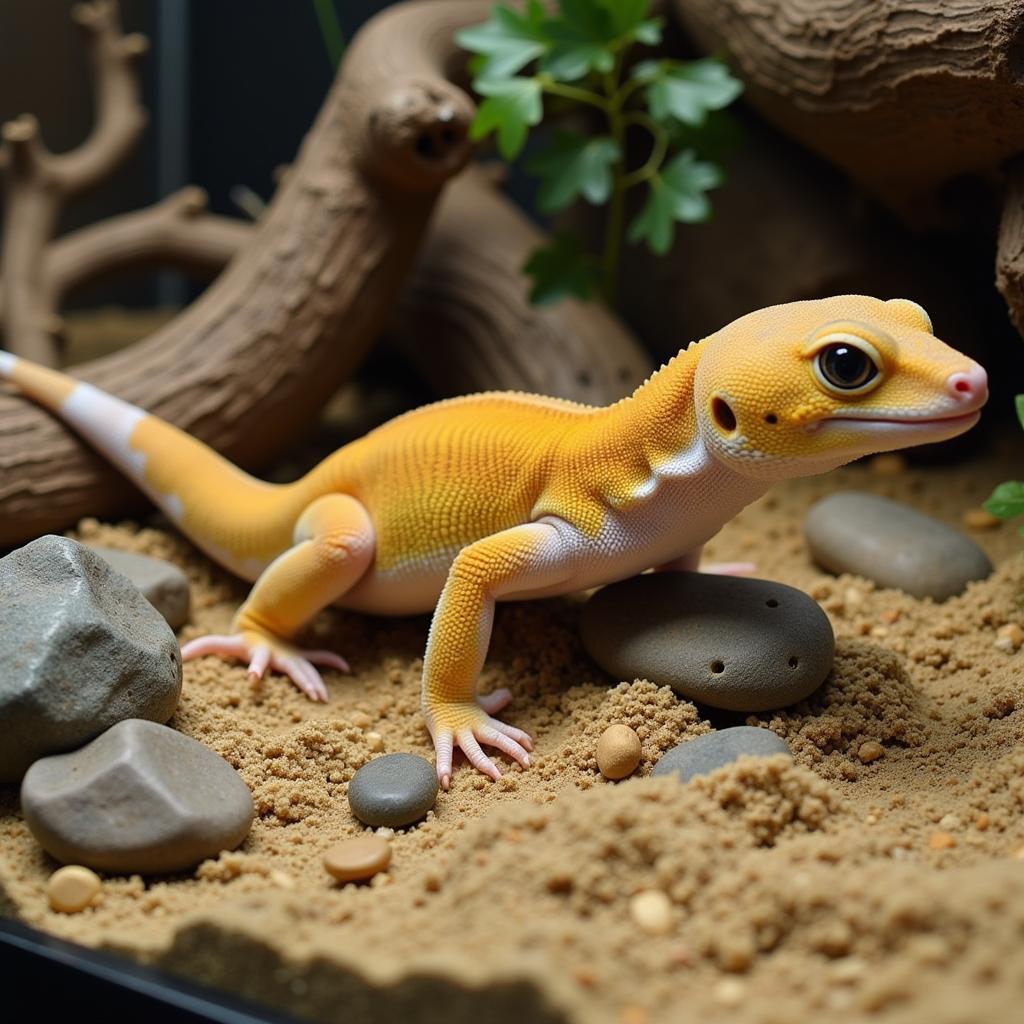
(893, 545)
(715, 749)
(359, 859)
(80, 650)
(163, 585)
(393, 790)
(142, 798)
(726, 641)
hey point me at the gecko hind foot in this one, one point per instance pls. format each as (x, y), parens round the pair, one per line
(297, 664)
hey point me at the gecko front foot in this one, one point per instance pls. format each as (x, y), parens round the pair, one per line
(469, 725)
(263, 652)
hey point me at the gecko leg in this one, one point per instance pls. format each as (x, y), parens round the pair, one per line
(524, 559)
(334, 544)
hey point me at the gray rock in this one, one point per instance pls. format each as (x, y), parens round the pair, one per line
(80, 650)
(715, 749)
(892, 544)
(163, 585)
(726, 641)
(140, 798)
(393, 790)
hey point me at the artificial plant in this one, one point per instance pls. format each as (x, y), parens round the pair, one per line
(581, 56)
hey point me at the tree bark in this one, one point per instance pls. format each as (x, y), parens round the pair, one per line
(1010, 245)
(466, 324)
(904, 97)
(247, 367)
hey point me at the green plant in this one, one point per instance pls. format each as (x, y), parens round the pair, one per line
(578, 57)
(1007, 500)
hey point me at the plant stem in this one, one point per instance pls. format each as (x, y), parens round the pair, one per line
(659, 148)
(571, 92)
(330, 30)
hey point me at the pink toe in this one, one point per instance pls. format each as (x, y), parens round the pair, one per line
(328, 659)
(492, 703)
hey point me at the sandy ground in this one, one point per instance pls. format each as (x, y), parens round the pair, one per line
(890, 891)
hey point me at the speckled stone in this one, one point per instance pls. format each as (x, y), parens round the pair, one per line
(163, 585)
(393, 790)
(715, 749)
(725, 641)
(893, 545)
(141, 798)
(80, 650)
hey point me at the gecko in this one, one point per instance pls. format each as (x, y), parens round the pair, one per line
(505, 495)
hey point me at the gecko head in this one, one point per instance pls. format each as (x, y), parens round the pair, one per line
(804, 387)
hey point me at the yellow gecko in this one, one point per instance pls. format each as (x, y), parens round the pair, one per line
(503, 495)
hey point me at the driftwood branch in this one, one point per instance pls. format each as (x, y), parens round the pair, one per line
(904, 100)
(1010, 244)
(38, 182)
(248, 366)
(465, 322)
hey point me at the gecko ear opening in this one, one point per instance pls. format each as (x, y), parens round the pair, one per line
(722, 414)
(912, 313)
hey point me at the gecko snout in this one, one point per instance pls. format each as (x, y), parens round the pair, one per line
(970, 387)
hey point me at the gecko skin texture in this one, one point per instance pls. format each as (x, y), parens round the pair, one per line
(500, 496)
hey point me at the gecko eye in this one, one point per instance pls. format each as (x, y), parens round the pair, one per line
(845, 367)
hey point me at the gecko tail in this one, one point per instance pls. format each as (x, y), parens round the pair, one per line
(209, 498)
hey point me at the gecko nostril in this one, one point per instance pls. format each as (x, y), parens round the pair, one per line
(963, 385)
(969, 384)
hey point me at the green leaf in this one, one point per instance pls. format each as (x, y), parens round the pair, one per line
(676, 194)
(510, 108)
(626, 16)
(1007, 500)
(560, 269)
(686, 91)
(581, 36)
(573, 165)
(507, 42)
(1019, 405)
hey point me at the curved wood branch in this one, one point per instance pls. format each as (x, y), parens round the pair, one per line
(466, 324)
(248, 366)
(1010, 244)
(177, 231)
(38, 182)
(904, 97)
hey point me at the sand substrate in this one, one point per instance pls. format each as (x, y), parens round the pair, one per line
(891, 890)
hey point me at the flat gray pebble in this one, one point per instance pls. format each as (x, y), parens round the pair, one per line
(163, 585)
(393, 790)
(893, 545)
(726, 641)
(80, 650)
(141, 798)
(715, 749)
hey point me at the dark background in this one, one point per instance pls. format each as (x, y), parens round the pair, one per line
(231, 89)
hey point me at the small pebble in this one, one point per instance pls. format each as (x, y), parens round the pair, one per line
(869, 751)
(282, 879)
(949, 822)
(715, 749)
(360, 719)
(1009, 638)
(72, 888)
(163, 585)
(893, 545)
(980, 519)
(618, 752)
(981, 822)
(730, 992)
(376, 741)
(651, 911)
(941, 841)
(359, 859)
(889, 464)
(393, 790)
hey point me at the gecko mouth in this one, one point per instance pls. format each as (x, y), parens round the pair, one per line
(908, 427)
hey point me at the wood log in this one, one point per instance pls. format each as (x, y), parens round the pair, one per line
(465, 322)
(904, 97)
(247, 367)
